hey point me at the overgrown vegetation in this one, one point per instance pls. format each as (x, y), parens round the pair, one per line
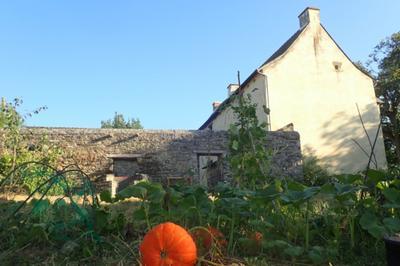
(257, 219)
(263, 220)
(385, 66)
(248, 155)
(16, 150)
(119, 122)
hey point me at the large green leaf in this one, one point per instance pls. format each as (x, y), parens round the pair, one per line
(294, 251)
(344, 189)
(393, 224)
(40, 207)
(375, 176)
(132, 191)
(392, 194)
(370, 222)
(274, 244)
(368, 219)
(316, 254)
(298, 196)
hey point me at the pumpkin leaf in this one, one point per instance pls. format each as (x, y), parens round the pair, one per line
(316, 254)
(392, 194)
(275, 244)
(294, 251)
(375, 176)
(370, 222)
(135, 191)
(393, 224)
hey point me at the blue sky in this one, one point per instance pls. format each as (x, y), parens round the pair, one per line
(163, 62)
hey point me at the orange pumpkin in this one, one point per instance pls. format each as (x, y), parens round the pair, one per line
(205, 238)
(257, 237)
(252, 244)
(168, 244)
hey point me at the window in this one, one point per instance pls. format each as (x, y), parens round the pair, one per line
(337, 66)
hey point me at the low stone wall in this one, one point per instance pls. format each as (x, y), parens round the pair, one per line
(158, 153)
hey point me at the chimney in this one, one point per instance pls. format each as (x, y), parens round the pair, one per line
(232, 88)
(310, 15)
(215, 105)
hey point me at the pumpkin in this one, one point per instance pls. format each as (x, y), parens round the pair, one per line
(168, 244)
(251, 245)
(206, 237)
(257, 237)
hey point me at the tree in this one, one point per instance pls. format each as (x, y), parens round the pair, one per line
(12, 148)
(385, 63)
(119, 122)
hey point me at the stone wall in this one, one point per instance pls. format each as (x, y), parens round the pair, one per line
(157, 153)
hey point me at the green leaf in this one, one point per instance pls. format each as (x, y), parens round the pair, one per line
(392, 195)
(295, 186)
(393, 224)
(101, 219)
(106, 196)
(41, 207)
(235, 145)
(377, 231)
(132, 191)
(344, 189)
(316, 254)
(375, 176)
(368, 219)
(259, 225)
(328, 189)
(275, 243)
(370, 222)
(310, 192)
(294, 251)
(139, 214)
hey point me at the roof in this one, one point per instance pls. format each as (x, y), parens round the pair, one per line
(284, 47)
(281, 50)
(358, 67)
(228, 100)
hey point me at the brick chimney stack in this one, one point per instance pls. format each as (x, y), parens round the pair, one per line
(232, 88)
(215, 105)
(310, 15)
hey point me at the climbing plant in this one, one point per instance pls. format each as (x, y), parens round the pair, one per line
(249, 157)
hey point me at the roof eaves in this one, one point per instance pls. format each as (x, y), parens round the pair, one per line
(362, 70)
(284, 47)
(227, 101)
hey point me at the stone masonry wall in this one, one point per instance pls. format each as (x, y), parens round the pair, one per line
(160, 153)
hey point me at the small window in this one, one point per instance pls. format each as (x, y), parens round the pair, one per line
(337, 66)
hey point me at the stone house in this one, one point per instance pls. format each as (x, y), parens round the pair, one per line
(311, 83)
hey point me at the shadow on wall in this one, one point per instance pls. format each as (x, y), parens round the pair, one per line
(346, 145)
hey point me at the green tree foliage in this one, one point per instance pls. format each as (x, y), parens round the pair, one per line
(11, 122)
(16, 150)
(385, 62)
(119, 122)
